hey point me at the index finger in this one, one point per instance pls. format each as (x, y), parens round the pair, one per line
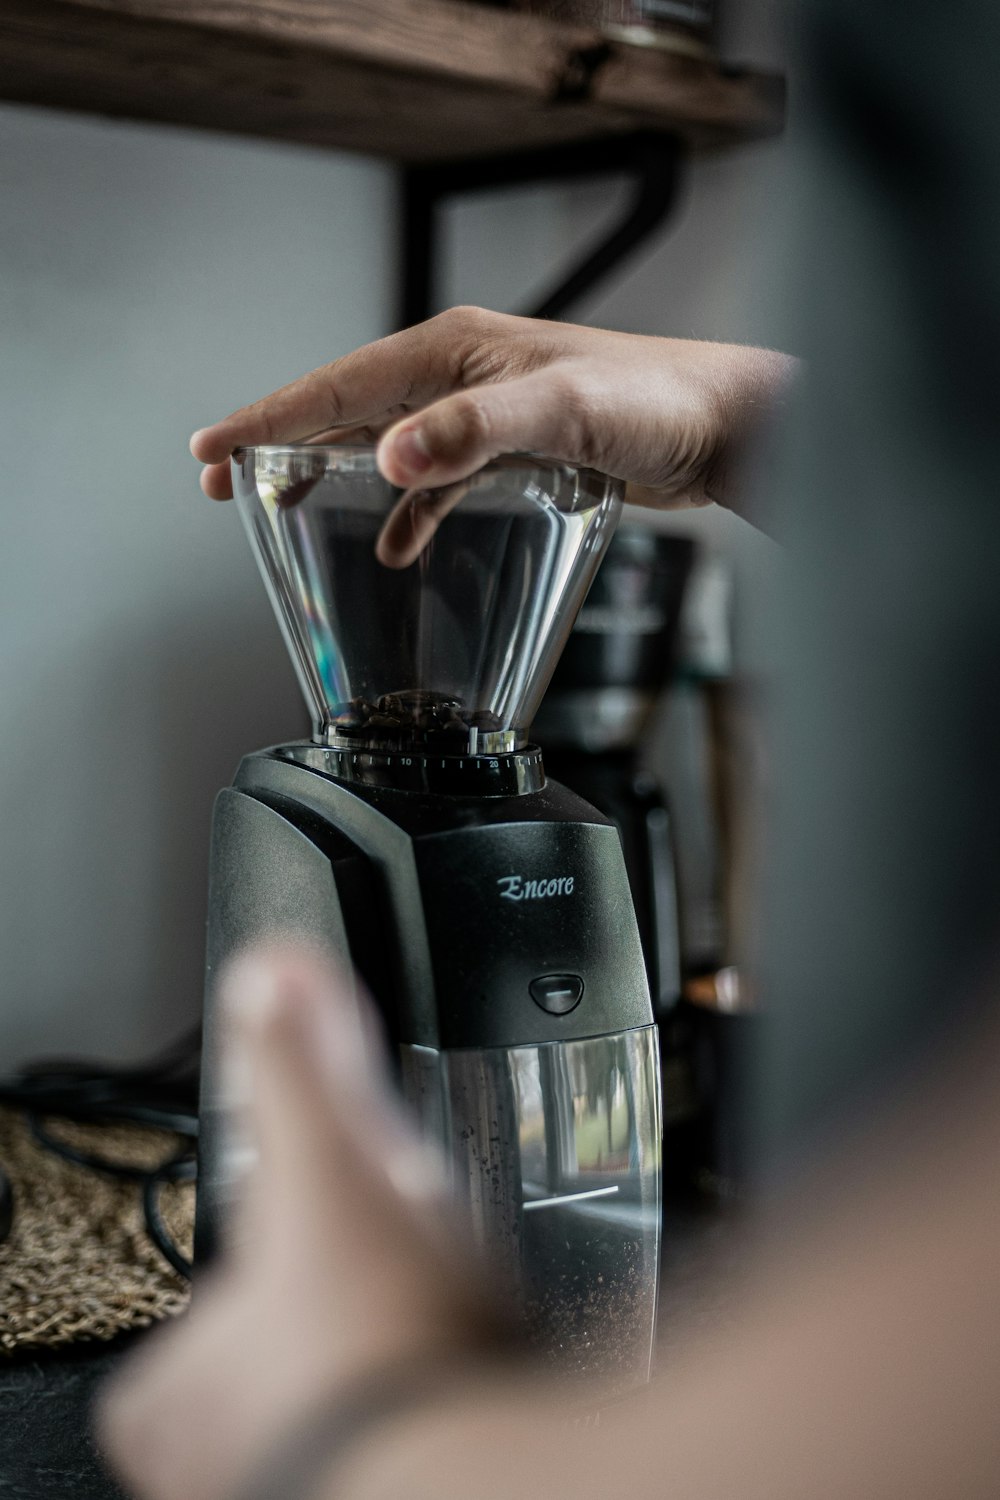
(390, 376)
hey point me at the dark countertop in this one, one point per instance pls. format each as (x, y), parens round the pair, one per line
(47, 1450)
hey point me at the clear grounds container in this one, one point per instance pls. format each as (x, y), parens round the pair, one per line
(424, 620)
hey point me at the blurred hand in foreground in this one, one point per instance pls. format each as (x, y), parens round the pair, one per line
(337, 1262)
(670, 416)
(864, 1361)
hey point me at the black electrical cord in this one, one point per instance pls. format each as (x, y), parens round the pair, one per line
(183, 1168)
(161, 1093)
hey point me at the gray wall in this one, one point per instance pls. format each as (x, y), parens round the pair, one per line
(151, 280)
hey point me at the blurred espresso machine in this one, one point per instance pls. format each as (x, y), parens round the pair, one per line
(595, 722)
(658, 621)
(593, 719)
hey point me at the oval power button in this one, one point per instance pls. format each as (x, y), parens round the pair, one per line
(557, 993)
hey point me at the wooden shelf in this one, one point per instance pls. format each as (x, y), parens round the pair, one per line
(416, 80)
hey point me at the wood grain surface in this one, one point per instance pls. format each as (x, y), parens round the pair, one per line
(416, 80)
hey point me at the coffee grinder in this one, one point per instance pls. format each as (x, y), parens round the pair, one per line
(417, 840)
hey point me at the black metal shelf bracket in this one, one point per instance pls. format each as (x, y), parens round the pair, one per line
(651, 161)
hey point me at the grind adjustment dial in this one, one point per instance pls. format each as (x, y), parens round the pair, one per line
(415, 771)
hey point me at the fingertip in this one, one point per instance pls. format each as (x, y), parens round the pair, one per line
(403, 456)
(293, 994)
(389, 555)
(259, 989)
(211, 445)
(202, 446)
(408, 528)
(216, 482)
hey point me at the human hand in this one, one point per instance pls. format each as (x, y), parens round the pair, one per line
(338, 1265)
(670, 416)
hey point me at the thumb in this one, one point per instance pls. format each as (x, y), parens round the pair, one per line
(314, 1115)
(538, 413)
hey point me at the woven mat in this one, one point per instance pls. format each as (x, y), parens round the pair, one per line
(78, 1264)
